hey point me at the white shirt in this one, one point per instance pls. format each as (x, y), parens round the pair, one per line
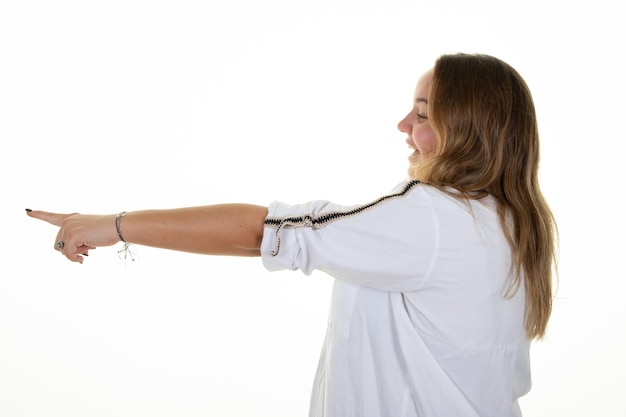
(419, 322)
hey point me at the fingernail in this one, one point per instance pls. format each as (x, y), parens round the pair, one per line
(28, 210)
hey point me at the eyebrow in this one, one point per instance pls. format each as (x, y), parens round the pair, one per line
(421, 100)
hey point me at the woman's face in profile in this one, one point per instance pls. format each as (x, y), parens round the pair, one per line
(420, 136)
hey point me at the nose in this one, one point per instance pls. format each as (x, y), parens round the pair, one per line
(404, 126)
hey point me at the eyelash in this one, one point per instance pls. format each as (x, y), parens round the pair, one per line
(421, 117)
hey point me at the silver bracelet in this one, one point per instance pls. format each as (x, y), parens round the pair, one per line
(118, 225)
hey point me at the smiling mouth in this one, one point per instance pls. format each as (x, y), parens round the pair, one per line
(415, 156)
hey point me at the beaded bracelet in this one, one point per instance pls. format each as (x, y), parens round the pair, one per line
(126, 251)
(118, 225)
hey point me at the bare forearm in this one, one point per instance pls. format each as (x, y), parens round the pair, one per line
(226, 229)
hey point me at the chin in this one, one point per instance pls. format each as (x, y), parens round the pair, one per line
(415, 159)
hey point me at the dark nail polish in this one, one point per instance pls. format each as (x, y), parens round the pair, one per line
(28, 210)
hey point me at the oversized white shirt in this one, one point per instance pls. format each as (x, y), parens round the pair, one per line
(420, 325)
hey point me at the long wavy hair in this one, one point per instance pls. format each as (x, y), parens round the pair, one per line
(483, 114)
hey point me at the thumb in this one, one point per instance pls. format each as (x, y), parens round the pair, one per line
(52, 218)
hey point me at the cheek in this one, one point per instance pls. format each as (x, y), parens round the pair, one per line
(426, 140)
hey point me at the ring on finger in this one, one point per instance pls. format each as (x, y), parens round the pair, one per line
(60, 245)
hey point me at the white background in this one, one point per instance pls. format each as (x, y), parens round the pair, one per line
(125, 105)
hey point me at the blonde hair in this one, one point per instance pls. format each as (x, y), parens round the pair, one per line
(483, 114)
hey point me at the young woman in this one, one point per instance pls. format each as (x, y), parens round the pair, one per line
(440, 286)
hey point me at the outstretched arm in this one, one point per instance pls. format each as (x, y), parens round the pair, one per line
(226, 229)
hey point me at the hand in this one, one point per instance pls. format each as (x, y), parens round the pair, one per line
(79, 233)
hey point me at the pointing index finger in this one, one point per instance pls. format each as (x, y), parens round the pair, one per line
(52, 218)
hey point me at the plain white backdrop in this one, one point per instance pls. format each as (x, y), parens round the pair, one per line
(125, 105)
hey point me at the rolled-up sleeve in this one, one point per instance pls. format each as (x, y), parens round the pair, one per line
(390, 244)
